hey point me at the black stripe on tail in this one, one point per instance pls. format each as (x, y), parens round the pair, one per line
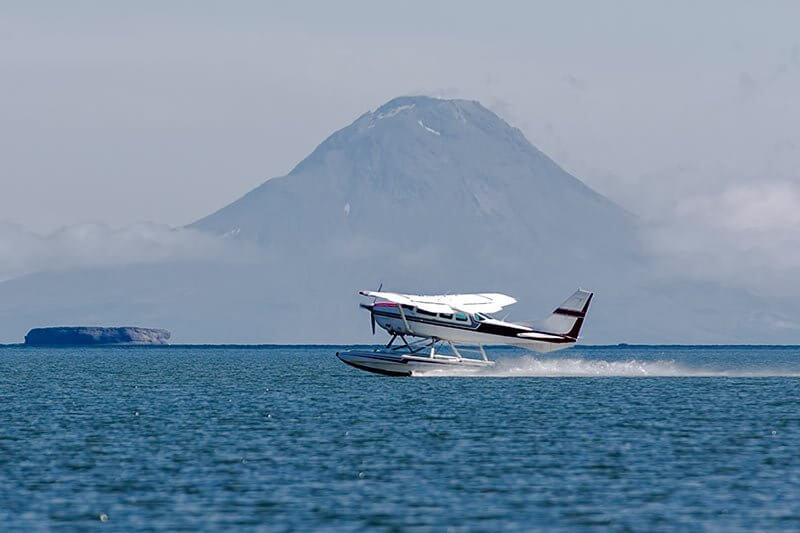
(580, 315)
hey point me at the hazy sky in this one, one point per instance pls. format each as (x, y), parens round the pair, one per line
(684, 112)
(163, 111)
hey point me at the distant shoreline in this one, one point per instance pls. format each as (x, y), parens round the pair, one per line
(277, 346)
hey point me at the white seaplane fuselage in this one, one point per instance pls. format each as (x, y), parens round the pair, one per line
(453, 320)
(462, 328)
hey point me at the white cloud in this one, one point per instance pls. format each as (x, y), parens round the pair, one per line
(86, 245)
(745, 235)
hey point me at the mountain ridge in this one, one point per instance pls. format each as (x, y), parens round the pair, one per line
(395, 107)
(388, 158)
(424, 195)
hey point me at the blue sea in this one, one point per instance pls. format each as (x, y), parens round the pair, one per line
(290, 439)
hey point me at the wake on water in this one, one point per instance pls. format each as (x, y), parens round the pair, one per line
(528, 366)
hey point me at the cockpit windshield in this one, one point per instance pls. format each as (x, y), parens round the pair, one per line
(480, 317)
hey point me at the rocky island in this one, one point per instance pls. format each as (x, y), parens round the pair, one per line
(92, 336)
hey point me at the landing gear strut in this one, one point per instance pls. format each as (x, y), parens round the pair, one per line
(425, 344)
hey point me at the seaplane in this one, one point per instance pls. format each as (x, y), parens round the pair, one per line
(460, 326)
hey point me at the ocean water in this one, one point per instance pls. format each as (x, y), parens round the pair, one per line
(291, 439)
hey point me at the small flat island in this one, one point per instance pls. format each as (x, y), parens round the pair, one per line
(93, 336)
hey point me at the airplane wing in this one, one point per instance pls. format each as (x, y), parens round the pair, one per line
(487, 302)
(447, 303)
(410, 299)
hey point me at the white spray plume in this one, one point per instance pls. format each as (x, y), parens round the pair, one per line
(530, 366)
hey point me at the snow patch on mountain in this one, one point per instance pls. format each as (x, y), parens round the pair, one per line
(392, 112)
(427, 128)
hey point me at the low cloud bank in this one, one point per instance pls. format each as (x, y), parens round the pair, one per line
(746, 235)
(90, 245)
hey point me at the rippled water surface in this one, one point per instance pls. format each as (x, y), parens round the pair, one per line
(284, 438)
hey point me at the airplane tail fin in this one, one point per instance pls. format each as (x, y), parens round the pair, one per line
(568, 318)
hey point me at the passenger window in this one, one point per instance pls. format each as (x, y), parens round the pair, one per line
(448, 316)
(424, 312)
(461, 316)
(408, 307)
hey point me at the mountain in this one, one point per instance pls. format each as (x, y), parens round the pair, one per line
(447, 180)
(436, 195)
(421, 194)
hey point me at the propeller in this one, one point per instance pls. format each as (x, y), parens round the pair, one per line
(371, 311)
